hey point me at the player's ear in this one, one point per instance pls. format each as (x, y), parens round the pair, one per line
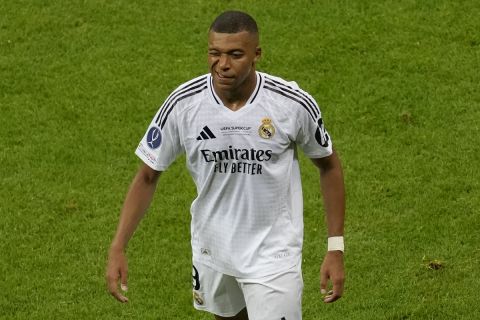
(258, 54)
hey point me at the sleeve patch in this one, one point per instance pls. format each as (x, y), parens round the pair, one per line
(321, 134)
(154, 138)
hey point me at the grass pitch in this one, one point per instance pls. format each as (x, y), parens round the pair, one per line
(398, 85)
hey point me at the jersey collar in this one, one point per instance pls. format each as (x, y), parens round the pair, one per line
(250, 100)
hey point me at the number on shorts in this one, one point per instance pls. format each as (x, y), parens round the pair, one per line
(196, 279)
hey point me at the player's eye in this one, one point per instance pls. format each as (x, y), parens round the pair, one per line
(237, 54)
(214, 53)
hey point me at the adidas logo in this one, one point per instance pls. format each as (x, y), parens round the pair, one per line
(206, 134)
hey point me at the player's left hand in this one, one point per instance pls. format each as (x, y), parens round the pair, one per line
(332, 269)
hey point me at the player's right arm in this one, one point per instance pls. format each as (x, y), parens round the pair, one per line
(158, 148)
(137, 201)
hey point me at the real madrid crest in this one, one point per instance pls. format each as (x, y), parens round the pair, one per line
(197, 297)
(266, 129)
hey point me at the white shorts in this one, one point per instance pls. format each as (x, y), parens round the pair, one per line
(274, 297)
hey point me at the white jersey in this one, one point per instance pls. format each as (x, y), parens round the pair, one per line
(247, 219)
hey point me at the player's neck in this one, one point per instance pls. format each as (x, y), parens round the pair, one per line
(236, 99)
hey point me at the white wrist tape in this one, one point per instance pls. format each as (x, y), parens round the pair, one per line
(336, 243)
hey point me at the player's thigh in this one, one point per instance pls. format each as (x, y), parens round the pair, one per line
(216, 292)
(277, 297)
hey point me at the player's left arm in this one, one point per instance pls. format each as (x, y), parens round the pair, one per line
(333, 192)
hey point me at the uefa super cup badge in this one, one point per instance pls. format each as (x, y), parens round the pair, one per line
(266, 129)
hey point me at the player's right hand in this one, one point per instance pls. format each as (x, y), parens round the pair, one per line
(332, 270)
(117, 270)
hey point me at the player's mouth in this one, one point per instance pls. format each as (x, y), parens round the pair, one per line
(224, 78)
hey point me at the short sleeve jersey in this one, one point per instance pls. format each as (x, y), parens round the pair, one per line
(247, 218)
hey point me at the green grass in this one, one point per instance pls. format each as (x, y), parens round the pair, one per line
(398, 82)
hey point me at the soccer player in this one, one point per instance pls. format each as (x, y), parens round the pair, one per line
(240, 130)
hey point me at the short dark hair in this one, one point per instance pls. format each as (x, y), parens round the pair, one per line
(233, 22)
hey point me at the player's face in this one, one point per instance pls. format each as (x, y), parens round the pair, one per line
(232, 58)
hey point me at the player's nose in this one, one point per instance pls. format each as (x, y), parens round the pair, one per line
(224, 62)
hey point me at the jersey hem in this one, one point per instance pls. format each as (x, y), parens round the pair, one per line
(288, 264)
